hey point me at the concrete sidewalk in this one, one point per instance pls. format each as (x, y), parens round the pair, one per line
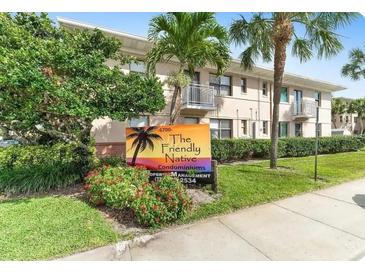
(322, 225)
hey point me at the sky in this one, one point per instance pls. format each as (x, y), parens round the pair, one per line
(352, 36)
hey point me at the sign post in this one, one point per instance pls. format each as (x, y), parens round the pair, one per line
(181, 151)
(316, 144)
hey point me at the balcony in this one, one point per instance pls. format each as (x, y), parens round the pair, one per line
(304, 110)
(198, 98)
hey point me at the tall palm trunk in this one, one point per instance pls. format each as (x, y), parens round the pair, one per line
(175, 105)
(283, 30)
(136, 153)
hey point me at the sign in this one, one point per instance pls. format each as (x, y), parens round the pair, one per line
(182, 151)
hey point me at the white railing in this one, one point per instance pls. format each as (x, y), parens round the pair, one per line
(304, 109)
(198, 97)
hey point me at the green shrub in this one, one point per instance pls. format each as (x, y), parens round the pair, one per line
(113, 161)
(161, 203)
(153, 204)
(244, 149)
(114, 186)
(25, 169)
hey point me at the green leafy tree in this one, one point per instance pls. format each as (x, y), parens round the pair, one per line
(355, 69)
(194, 40)
(54, 82)
(143, 138)
(358, 106)
(338, 107)
(268, 35)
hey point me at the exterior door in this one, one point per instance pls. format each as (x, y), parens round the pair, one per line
(298, 98)
(254, 130)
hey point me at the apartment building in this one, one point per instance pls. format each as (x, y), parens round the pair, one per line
(345, 124)
(236, 105)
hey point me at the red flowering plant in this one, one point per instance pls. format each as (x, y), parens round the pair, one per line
(160, 203)
(114, 186)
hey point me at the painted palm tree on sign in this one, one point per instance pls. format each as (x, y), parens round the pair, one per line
(143, 138)
(195, 39)
(268, 35)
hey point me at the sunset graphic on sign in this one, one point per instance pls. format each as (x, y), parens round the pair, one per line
(170, 148)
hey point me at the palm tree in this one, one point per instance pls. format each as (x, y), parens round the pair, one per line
(194, 40)
(358, 106)
(143, 138)
(269, 35)
(355, 69)
(338, 107)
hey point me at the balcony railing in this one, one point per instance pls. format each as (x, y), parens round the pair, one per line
(198, 97)
(304, 109)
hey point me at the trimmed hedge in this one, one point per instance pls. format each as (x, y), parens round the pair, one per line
(25, 169)
(243, 149)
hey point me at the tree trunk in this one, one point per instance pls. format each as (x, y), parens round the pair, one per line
(135, 154)
(175, 104)
(283, 30)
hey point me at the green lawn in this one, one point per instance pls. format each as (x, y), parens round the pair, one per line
(42, 228)
(246, 185)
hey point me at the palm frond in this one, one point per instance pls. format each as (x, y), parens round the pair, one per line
(150, 144)
(255, 33)
(135, 142)
(355, 69)
(132, 135)
(154, 136)
(302, 48)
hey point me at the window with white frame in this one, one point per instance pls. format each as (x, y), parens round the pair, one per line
(298, 129)
(265, 127)
(222, 84)
(284, 95)
(318, 97)
(244, 126)
(243, 85)
(141, 121)
(264, 88)
(283, 129)
(221, 128)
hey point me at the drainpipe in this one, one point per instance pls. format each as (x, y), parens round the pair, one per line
(270, 94)
(258, 112)
(238, 124)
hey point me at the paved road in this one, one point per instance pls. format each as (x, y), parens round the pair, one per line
(323, 225)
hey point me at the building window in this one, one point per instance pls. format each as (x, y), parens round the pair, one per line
(221, 84)
(318, 97)
(347, 119)
(265, 127)
(137, 67)
(319, 130)
(284, 97)
(298, 130)
(243, 85)
(191, 120)
(220, 128)
(355, 120)
(283, 129)
(244, 127)
(264, 88)
(141, 121)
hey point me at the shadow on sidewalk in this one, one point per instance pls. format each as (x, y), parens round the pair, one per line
(359, 199)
